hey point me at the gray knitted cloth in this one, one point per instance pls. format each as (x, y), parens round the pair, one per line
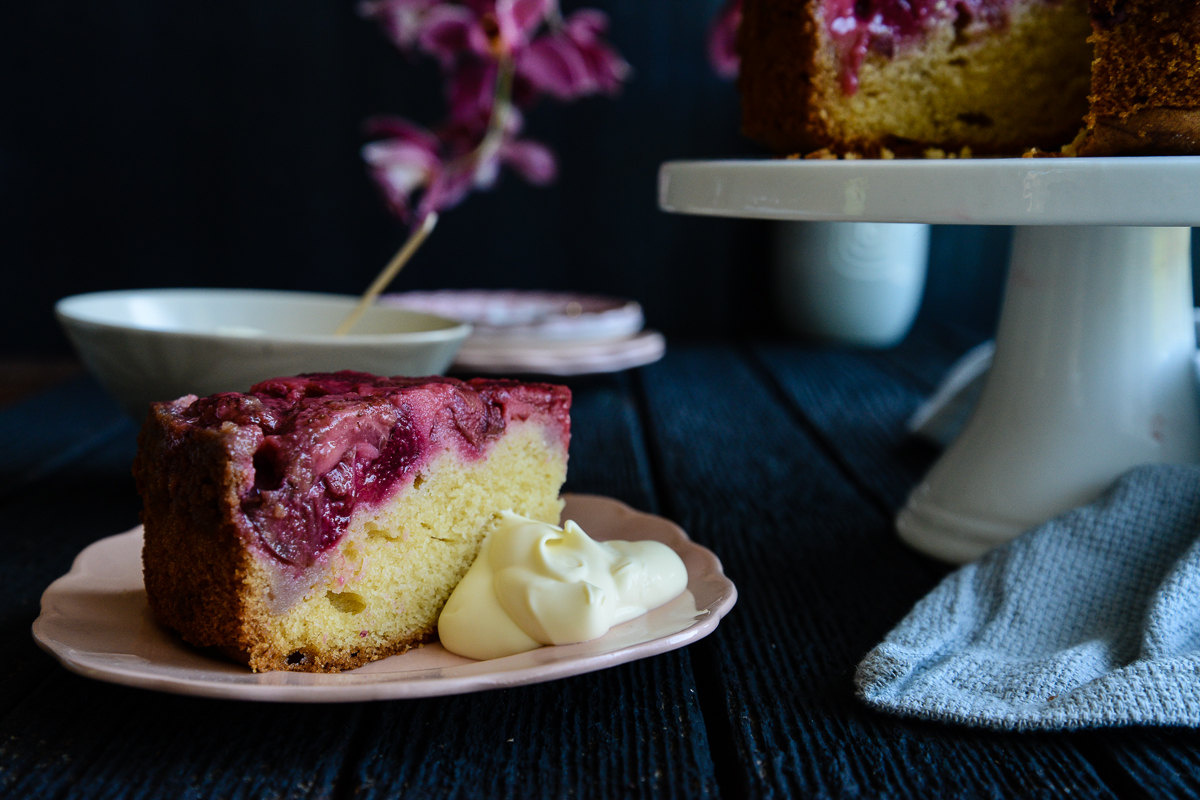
(1091, 619)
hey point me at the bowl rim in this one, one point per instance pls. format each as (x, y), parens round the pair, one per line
(68, 315)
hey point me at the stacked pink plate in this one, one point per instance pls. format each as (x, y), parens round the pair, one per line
(547, 333)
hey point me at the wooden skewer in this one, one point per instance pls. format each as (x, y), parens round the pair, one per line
(389, 273)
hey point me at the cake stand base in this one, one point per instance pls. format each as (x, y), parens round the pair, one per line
(1094, 373)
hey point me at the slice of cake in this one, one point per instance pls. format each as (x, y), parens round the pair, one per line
(876, 77)
(1145, 95)
(320, 522)
(862, 76)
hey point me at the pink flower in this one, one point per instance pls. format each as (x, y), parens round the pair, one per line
(449, 186)
(449, 32)
(404, 163)
(518, 20)
(722, 40)
(532, 160)
(493, 54)
(446, 166)
(401, 20)
(573, 61)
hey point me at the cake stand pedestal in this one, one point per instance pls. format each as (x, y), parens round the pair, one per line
(1094, 370)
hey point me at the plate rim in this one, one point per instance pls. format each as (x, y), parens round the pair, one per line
(1125, 190)
(643, 348)
(397, 686)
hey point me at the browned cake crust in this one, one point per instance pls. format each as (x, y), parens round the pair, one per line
(778, 41)
(195, 567)
(198, 562)
(1145, 97)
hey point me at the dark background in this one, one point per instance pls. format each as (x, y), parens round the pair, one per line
(147, 144)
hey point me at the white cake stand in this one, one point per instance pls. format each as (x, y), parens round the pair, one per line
(1094, 365)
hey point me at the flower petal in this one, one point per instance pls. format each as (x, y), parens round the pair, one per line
(398, 154)
(518, 20)
(404, 163)
(554, 64)
(397, 178)
(586, 24)
(470, 93)
(400, 128)
(447, 190)
(722, 40)
(449, 32)
(607, 70)
(533, 161)
(401, 20)
(574, 61)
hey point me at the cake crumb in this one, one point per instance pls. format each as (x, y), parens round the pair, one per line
(1072, 150)
(824, 154)
(935, 152)
(886, 154)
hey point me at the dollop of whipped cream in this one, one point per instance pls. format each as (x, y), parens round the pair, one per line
(535, 584)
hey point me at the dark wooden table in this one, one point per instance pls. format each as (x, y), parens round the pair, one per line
(788, 461)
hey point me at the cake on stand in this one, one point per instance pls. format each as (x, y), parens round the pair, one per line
(1094, 369)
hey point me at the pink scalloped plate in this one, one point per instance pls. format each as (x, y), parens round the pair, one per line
(96, 622)
(541, 333)
(528, 317)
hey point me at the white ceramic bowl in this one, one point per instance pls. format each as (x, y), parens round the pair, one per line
(158, 344)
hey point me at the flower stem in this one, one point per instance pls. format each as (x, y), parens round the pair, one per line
(501, 103)
(483, 152)
(389, 272)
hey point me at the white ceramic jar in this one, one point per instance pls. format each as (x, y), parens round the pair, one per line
(857, 283)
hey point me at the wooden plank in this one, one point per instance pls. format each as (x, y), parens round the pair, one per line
(49, 430)
(46, 523)
(856, 411)
(75, 737)
(608, 453)
(923, 357)
(623, 732)
(1151, 762)
(821, 579)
